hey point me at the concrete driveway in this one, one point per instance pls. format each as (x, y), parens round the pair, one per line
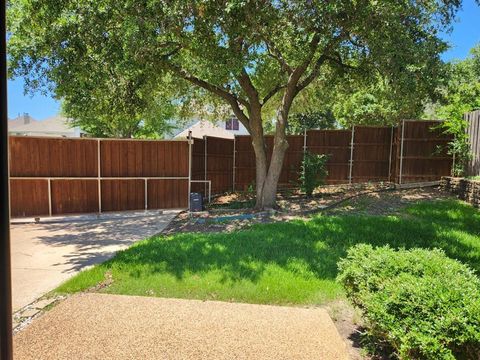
(46, 254)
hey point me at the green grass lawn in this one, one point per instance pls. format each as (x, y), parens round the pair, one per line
(281, 263)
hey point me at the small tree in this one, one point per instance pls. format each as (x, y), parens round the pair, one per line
(313, 172)
(462, 95)
(251, 55)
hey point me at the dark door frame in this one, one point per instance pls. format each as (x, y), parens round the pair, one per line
(6, 348)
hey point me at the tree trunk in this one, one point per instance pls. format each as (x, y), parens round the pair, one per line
(270, 185)
(267, 175)
(280, 145)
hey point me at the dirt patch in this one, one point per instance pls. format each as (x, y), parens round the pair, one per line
(349, 324)
(388, 202)
(232, 212)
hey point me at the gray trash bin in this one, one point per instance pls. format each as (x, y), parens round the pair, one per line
(196, 202)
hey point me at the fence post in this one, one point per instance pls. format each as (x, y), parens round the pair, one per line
(390, 156)
(49, 181)
(146, 194)
(401, 154)
(190, 142)
(99, 177)
(205, 159)
(304, 140)
(233, 172)
(453, 161)
(351, 156)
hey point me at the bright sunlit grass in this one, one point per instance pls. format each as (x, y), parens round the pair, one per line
(281, 263)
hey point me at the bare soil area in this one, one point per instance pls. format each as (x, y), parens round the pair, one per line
(235, 211)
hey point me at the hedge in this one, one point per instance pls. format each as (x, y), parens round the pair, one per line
(420, 302)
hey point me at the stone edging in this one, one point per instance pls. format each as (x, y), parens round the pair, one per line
(465, 189)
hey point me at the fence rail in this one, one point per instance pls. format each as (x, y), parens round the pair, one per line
(51, 176)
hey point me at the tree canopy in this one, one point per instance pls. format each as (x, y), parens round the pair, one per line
(254, 56)
(461, 94)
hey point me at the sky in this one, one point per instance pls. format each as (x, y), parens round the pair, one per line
(465, 34)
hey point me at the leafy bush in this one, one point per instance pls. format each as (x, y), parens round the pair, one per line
(423, 304)
(313, 172)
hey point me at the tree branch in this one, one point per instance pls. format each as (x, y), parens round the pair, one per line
(338, 60)
(313, 74)
(273, 92)
(318, 64)
(277, 55)
(232, 99)
(298, 72)
(206, 85)
(247, 85)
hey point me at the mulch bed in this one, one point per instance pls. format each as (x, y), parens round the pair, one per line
(357, 199)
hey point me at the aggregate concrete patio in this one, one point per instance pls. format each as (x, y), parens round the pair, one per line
(101, 326)
(47, 253)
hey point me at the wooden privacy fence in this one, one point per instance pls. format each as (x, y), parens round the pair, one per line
(51, 176)
(413, 151)
(212, 165)
(473, 132)
(60, 176)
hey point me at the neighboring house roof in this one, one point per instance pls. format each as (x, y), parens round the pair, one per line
(20, 120)
(205, 128)
(54, 126)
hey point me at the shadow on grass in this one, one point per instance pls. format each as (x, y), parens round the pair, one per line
(306, 248)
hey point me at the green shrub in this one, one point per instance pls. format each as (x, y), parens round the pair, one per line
(313, 172)
(423, 304)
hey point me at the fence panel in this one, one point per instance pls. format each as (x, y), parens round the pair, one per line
(473, 131)
(60, 176)
(29, 197)
(371, 154)
(423, 156)
(149, 158)
(52, 157)
(198, 166)
(244, 163)
(118, 195)
(335, 143)
(220, 163)
(74, 196)
(167, 194)
(289, 177)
